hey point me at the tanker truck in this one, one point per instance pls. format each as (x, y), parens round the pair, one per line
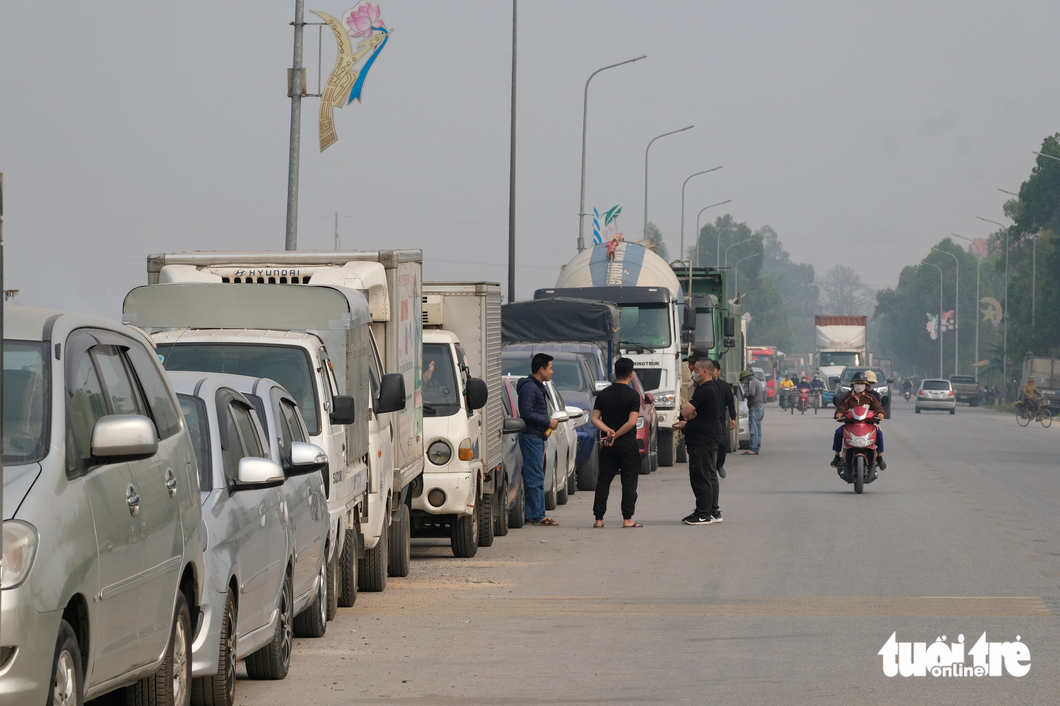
(652, 319)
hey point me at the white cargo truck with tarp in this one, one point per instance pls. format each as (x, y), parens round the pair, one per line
(391, 281)
(464, 492)
(839, 341)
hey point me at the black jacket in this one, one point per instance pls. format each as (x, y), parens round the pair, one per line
(533, 408)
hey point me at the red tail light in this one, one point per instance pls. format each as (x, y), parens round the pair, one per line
(951, 393)
(919, 392)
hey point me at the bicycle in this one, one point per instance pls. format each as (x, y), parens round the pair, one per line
(1032, 412)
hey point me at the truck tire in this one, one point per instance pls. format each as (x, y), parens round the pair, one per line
(313, 620)
(334, 585)
(400, 544)
(464, 535)
(589, 470)
(348, 569)
(371, 570)
(974, 402)
(550, 496)
(485, 521)
(682, 453)
(500, 512)
(666, 448)
(517, 512)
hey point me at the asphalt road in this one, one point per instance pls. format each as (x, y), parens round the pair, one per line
(788, 601)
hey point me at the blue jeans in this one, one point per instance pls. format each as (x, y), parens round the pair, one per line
(533, 448)
(755, 415)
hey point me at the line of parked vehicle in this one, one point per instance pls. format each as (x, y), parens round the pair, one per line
(225, 470)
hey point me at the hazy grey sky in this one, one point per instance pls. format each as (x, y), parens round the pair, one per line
(862, 132)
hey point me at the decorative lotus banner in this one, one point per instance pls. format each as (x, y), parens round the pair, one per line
(345, 84)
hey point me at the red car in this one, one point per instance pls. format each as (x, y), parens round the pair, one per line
(647, 429)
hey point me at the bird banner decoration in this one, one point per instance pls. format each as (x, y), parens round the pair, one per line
(992, 312)
(345, 84)
(933, 326)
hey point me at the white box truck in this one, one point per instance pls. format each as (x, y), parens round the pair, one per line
(464, 489)
(839, 341)
(391, 281)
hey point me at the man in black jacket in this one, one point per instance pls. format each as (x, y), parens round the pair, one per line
(700, 423)
(533, 410)
(726, 401)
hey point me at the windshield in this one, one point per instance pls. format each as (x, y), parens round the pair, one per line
(936, 384)
(26, 384)
(567, 375)
(194, 410)
(840, 358)
(848, 375)
(441, 393)
(646, 326)
(765, 362)
(286, 365)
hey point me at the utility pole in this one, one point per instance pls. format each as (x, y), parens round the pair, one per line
(291, 240)
(2, 335)
(511, 174)
(338, 243)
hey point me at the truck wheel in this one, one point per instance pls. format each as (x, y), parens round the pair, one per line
(348, 569)
(517, 512)
(464, 537)
(372, 568)
(400, 544)
(589, 470)
(500, 512)
(550, 496)
(974, 402)
(485, 521)
(682, 454)
(666, 448)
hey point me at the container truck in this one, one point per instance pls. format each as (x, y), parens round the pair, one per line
(465, 488)
(839, 341)
(390, 281)
(651, 319)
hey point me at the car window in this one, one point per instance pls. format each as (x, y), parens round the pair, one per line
(567, 375)
(259, 411)
(85, 404)
(120, 392)
(231, 447)
(194, 410)
(936, 385)
(290, 414)
(283, 435)
(167, 422)
(251, 441)
(26, 391)
(507, 401)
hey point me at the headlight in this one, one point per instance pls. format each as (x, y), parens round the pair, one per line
(439, 453)
(640, 422)
(859, 441)
(20, 547)
(664, 399)
(742, 413)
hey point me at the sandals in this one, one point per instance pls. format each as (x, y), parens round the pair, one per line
(547, 522)
(632, 526)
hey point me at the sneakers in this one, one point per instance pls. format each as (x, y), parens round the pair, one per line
(835, 462)
(697, 519)
(881, 463)
(721, 472)
(716, 518)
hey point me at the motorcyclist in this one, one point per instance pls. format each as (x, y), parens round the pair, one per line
(860, 396)
(907, 386)
(786, 386)
(804, 384)
(817, 388)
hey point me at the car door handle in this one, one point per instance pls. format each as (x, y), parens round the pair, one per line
(171, 483)
(134, 501)
(262, 510)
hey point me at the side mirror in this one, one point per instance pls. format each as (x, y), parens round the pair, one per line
(689, 322)
(305, 458)
(391, 394)
(730, 327)
(649, 399)
(688, 336)
(730, 343)
(126, 436)
(342, 410)
(601, 385)
(575, 412)
(514, 425)
(560, 416)
(476, 393)
(258, 474)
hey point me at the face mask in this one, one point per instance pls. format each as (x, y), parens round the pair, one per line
(859, 388)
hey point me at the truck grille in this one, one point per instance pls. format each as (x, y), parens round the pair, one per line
(649, 377)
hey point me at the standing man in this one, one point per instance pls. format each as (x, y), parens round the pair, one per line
(700, 423)
(756, 409)
(615, 415)
(533, 410)
(726, 402)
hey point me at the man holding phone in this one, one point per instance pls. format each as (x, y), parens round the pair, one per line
(615, 414)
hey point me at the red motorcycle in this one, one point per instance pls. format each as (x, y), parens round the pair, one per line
(859, 447)
(804, 400)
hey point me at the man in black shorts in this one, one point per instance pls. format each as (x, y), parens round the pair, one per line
(615, 415)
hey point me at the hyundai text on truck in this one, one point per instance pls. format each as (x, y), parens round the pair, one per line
(375, 362)
(465, 489)
(651, 303)
(838, 341)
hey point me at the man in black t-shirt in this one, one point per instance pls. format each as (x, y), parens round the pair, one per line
(615, 414)
(700, 424)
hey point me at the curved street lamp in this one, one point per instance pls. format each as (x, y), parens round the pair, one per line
(736, 270)
(956, 312)
(665, 134)
(1004, 313)
(939, 323)
(746, 240)
(720, 203)
(978, 266)
(706, 171)
(585, 114)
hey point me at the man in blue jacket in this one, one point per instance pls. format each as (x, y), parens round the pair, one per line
(533, 410)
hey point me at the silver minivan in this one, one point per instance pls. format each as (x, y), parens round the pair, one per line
(249, 605)
(102, 552)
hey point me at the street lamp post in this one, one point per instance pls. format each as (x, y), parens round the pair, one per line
(1004, 315)
(681, 252)
(978, 266)
(939, 323)
(646, 149)
(748, 240)
(720, 203)
(585, 114)
(956, 313)
(736, 270)
(717, 256)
